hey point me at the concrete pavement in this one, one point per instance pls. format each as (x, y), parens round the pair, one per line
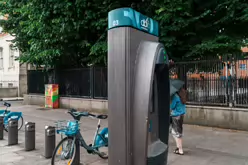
(203, 146)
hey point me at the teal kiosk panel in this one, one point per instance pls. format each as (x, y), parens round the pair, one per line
(127, 17)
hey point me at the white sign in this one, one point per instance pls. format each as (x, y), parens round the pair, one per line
(145, 23)
(126, 14)
(115, 22)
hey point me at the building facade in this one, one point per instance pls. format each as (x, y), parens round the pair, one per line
(9, 66)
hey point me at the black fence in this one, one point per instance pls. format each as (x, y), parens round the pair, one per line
(208, 82)
(214, 82)
(85, 82)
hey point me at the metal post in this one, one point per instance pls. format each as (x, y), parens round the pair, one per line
(13, 132)
(29, 136)
(76, 160)
(1, 127)
(50, 140)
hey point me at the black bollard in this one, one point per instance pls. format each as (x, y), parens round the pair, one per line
(13, 132)
(29, 136)
(50, 140)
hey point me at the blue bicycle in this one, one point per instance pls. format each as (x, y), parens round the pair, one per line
(10, 115)
(66, 149)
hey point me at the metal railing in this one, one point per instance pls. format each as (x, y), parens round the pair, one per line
(208, 82)
(83, 82)
(214, 82)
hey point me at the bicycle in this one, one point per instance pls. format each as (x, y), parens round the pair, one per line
(71, 129)
(10, 115)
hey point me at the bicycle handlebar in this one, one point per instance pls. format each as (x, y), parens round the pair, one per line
(5, 103)
(77, 115)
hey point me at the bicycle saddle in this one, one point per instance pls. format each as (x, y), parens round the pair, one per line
(101, 116)
(7, 104)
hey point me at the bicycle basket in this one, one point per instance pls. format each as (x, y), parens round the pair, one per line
(67, 127)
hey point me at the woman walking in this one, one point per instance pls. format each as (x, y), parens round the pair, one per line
(178, 109)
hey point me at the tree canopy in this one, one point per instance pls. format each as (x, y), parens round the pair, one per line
(73, 33)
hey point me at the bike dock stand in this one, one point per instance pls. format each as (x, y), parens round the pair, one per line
(50, 140)
(1, 128)
(29, 136)
(13, 132)
(76, 160)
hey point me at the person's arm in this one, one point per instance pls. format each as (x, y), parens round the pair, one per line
(174, 103)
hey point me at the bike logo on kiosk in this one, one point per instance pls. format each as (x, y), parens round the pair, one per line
(145, 24)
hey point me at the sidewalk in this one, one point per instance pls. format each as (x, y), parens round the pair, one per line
(203, 146)
(12, 98)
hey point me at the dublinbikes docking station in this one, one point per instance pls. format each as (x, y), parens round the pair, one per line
(138, 90)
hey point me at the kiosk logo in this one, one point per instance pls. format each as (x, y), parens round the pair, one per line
(145, 23)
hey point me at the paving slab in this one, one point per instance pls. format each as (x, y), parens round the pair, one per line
(203, 145)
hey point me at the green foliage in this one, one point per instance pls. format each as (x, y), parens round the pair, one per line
(62, 33)
(198, 28)
(73, 33)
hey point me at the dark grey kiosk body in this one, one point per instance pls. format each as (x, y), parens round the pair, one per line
(138, 90)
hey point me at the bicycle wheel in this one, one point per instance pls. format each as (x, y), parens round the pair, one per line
(102, 142)
(62, 153)
(6, 127)
(103, 152)
(20, 124)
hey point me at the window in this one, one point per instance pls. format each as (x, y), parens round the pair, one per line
(1, 57)
(10, 85)
(242, 66)
(11, 56)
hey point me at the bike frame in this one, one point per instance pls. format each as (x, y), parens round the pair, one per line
(100, 135)
(4, 112)
(8, 114)
(97, 132)
(82, 142)
(91, 149)
(15, 115)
